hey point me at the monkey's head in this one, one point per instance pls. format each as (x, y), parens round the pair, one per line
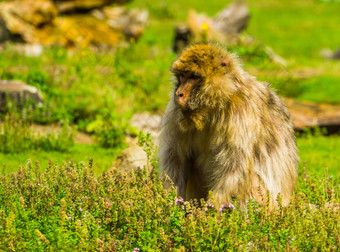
(206, 76)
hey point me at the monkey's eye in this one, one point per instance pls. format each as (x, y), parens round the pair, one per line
(180, 77)
(194, 76)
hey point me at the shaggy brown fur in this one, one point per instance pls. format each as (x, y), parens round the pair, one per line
(224, 131)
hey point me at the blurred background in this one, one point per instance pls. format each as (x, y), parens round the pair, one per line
(79, 79)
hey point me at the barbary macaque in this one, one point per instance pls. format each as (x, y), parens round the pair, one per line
(226, 132)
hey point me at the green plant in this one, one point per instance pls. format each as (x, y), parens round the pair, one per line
(110, 133)
(66, 207)
(145, 141)
(15, 136)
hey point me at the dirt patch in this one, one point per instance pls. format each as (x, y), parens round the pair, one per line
(80, 137)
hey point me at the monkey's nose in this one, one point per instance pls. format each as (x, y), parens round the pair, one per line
(181, 99)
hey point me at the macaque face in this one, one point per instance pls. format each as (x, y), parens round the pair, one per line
(187, 84)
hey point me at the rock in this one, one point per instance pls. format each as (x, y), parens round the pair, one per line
(232, 20)
(224, 28)
(66, 6)
(201, 26)
(309, 114)
(329, 54)
(33, 50)
(148, 123)
(130, 159)
(82, 31)
(29, 50)
(18, 92)
(326, 53)
(133, 157)
(36, 22)
(130, 22)
(26, 19)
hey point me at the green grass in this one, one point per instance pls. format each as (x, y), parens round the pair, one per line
(296, 29)
(79, 153)
(320, 153)
(321, 89)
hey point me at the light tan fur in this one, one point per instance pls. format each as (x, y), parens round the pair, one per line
(226, 132)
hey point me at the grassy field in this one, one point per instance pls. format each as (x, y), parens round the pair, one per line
(87, 88)
(67, 203)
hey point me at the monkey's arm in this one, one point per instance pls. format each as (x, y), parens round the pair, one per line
(171, 154)
(231, 175)
(174, 167)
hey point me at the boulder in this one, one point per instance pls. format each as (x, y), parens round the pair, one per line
(232, 20)
(18, 92)
(26, 19)
(130, 159)
(147, 123)
(37, 22)
(329, 54)
(130, 22)
(66, 6)
(225, 27)
(134, 156)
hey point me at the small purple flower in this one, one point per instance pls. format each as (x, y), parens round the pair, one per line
(135, 250)
(185, 203)
(227, 208)
(210, 205)
(179, 202)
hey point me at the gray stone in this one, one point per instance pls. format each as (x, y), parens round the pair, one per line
(18, 92)
(134, 156)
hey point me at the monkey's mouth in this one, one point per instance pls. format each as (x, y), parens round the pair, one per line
(186, 112)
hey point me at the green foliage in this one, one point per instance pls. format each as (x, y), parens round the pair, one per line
(67, 207)
(15, 136)
(144, 140)
(110, 134)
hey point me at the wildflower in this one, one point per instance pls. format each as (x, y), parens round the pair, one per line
(184, 205)
(179, 201)
(135, 250)
(210, 205)
(80, 209)
(227, 208)
(205, 26)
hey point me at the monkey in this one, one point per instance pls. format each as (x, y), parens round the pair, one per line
(225, 132)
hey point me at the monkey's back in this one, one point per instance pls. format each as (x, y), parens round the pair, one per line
(259, 128)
